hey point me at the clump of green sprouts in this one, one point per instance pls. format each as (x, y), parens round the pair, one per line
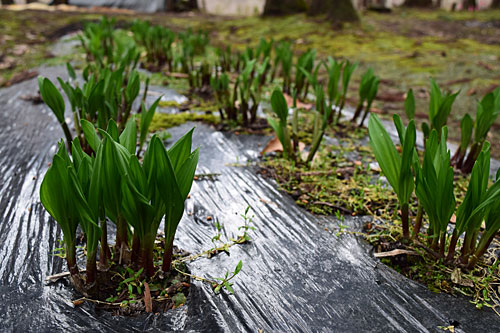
(111, 184)
(433, 181)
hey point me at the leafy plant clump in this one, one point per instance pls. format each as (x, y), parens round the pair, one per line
(473, 132)
(103, 97)
(87, 191)
(434, 182)
(487, 112)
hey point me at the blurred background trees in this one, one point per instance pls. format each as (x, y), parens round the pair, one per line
(337, 11)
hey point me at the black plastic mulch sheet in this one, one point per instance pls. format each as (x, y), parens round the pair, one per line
(296, 276)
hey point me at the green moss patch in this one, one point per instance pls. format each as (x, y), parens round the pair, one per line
(165, 120)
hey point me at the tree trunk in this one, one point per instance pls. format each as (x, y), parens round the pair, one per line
(418, 3)
(169, 5)
(338, 11)
(469, 4)
(495, 4)
(181, 6)
(284, 7)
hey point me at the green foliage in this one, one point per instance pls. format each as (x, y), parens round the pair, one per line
(284, 59)
(56, 195)
(190, 45)
(439, 107)
(66, 192)
(367, 92)
(146, 118)
(246, 227)
(321, 121)
(246, 92)
(466, 126)
(475, 195)
(396, 167)
(346, 78)
(487, 112)
(158, 42)
(103, 97)
(334, 69)
(280, 108)
(305, 69)
(435, 190)
(52, 98)
(113, 182)
(107, 48)
(410, 107)
(224, 282)
(435, 184)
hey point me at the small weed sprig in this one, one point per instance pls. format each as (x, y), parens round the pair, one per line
(340, 223)
(224, 282)
(131, 282)
(218, 248)
(246, 227)
(218, 228)
(216, 241)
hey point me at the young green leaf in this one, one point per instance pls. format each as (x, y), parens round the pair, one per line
(410, 105)
(128, 138)
(279, 105)
(52, 97)
(90, 134)
(146, 118)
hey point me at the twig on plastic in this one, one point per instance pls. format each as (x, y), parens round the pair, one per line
(58, 276)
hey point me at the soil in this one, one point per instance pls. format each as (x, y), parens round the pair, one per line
(117, 291)
(340, 178)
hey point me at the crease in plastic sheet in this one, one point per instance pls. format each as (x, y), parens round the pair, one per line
(296, 276)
